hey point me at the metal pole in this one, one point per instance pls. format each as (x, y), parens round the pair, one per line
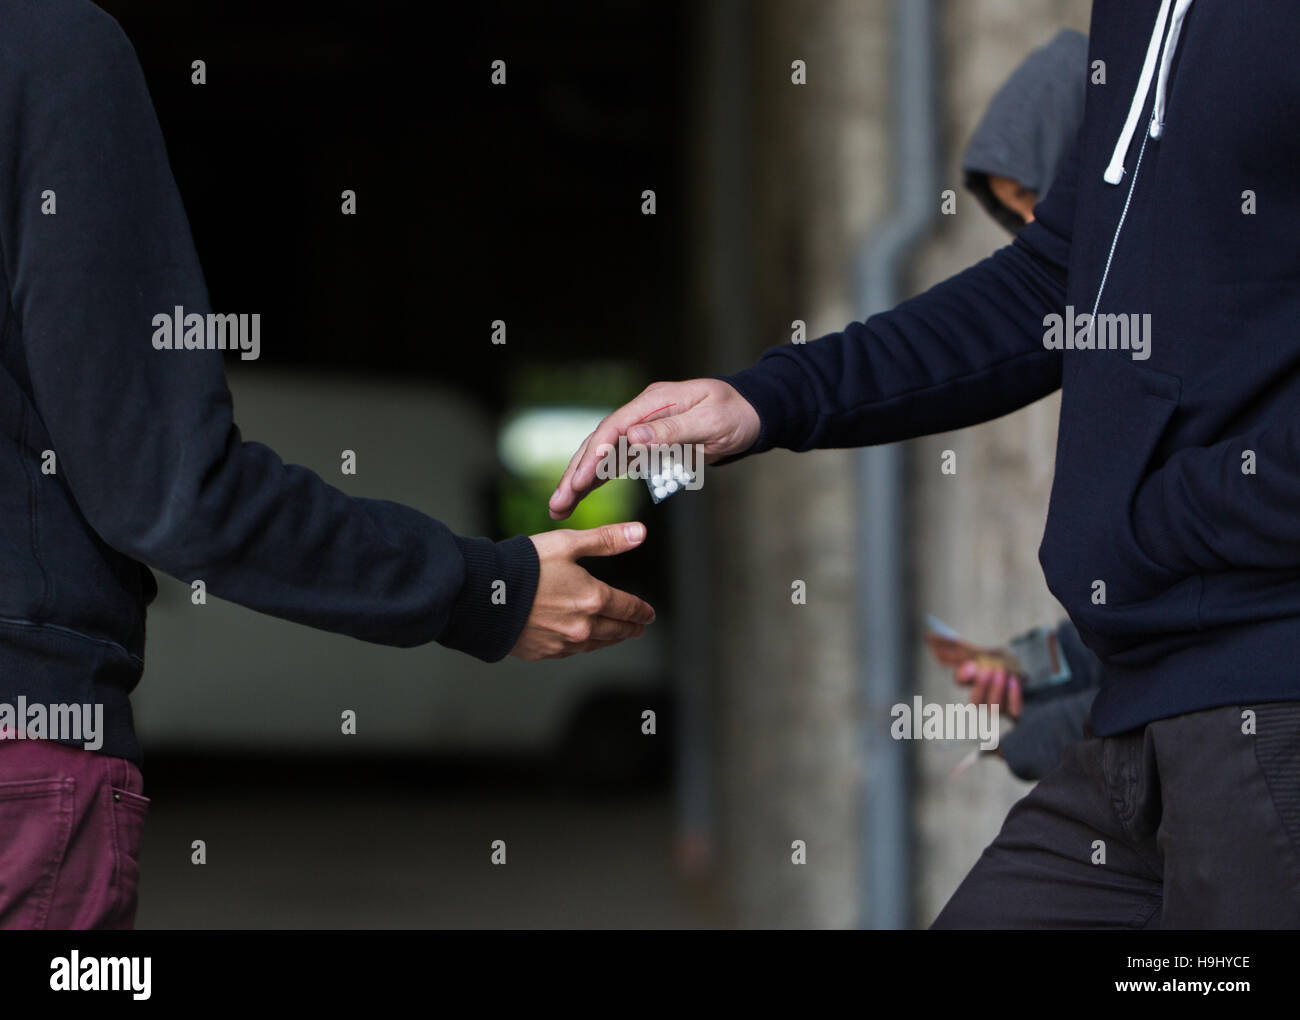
(886, 816)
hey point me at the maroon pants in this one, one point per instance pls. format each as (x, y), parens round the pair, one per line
(70, 828)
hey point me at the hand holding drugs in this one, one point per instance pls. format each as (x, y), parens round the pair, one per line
(704, 412)
(991, 673)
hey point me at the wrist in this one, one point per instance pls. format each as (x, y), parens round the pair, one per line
(495, 597)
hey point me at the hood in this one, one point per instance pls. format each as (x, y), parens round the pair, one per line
(1027, 128)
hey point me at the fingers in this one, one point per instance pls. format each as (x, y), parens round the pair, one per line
(572, 611)
(562, 500)
(619, 605)
(573, 462)
(683, 429)
(607, 540)
(992, 685)
(602, 632)
(998, 686)
(980, 685)
(574, 638)
(605, 631)
(580, 476)
(587, 646)
(1015, 697)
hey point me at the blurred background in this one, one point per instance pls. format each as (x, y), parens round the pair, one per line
(523, 202)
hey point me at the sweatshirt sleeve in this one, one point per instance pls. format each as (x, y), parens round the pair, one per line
(967, 350)
(1034, 746)
(145, 438)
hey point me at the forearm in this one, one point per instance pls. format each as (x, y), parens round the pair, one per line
(146, 441)
(968, 350)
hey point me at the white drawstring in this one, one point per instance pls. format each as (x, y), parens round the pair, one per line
(1162, 84)
(1115, 170)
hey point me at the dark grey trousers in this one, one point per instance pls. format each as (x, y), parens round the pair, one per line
(1189, 822)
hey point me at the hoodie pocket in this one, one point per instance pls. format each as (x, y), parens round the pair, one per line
(1112, 419)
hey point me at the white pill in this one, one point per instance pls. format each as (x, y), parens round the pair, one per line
(660, 492)
(657, 479)
(671, 487)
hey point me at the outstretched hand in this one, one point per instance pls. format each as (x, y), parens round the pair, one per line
(699, 412)
(572, 611)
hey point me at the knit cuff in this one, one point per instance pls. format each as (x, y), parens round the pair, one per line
(494, 602)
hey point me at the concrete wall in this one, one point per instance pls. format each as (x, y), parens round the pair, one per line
(787, 183)
(789, 764)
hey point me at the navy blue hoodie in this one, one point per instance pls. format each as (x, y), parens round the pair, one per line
(148, 465)
(1173, 534)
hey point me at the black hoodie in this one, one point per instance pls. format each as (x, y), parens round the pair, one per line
(1159, 287)
(149, 467)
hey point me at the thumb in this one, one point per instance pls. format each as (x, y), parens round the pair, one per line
(607, 540)
(682, 429)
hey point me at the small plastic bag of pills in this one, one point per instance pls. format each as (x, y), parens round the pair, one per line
(667, 476)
